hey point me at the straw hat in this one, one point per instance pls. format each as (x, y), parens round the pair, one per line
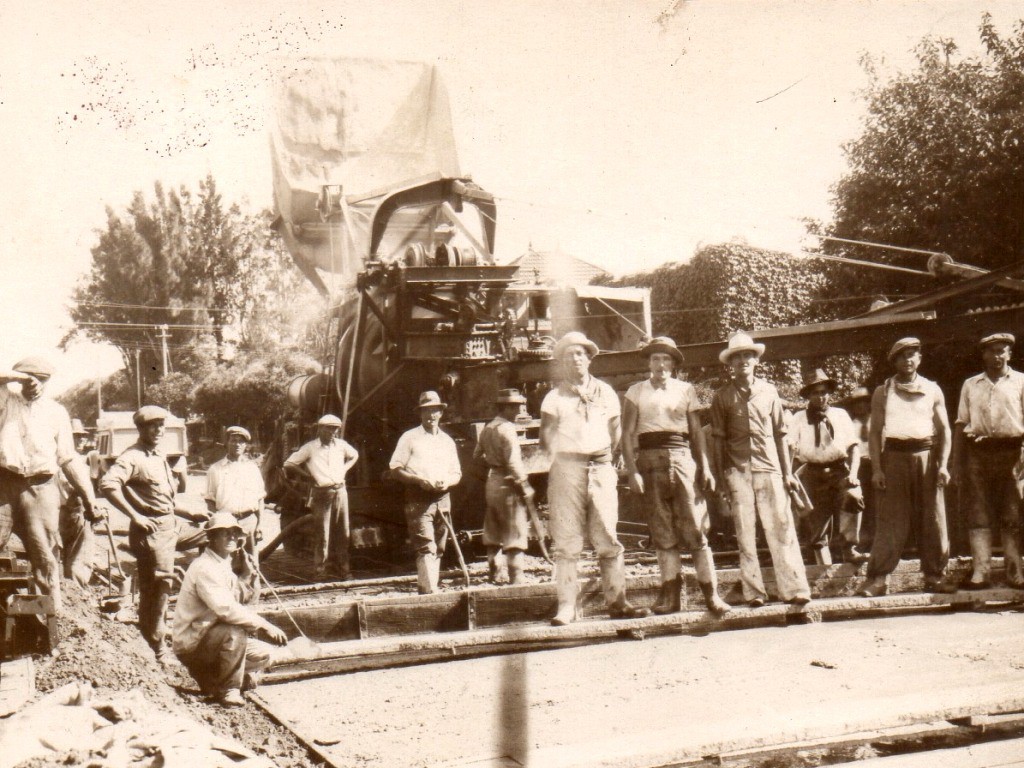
(575, 338)
(664, 344)
(740, 342)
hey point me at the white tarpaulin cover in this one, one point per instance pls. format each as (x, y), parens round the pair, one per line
(363, 124)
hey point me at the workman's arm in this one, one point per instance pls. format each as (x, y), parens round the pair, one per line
(223, 602)
(942, 433)
(397, 465)
(630, 418)
(779, 431)
(963, 418)
(294, 465)
(512, 455)
(699, 450)
(454, 474)
(351, 455)
(77, 474)
(875, 437)
(112, 488)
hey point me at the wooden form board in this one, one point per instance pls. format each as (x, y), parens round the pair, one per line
(351, 618)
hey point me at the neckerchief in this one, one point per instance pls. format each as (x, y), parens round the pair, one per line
(587, 392)
(912, 388)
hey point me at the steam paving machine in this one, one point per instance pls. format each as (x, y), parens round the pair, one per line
(416, 299)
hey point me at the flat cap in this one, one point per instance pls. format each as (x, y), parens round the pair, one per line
(241, 431)
(34, 366)
(328, 420)
(223, 520)
(149, 413)
(899, 346)
(997, 338)
(510, 397)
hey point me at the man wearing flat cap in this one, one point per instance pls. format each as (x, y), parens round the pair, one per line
(910, 445)
(986, 459)
(506, 526)
(749, 426)
(235, 484)
(325, 462)
(581, 429)
(143, 485)
(214, 623)
(667, 461)
(36, 444)
(826, 446)
(76, 538)
(426, 463)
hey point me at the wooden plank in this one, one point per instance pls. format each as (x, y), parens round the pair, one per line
(994, 754)
(413, 614)
(307, 739)
(382, 652)
(331, 620)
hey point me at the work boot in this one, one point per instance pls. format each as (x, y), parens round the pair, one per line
(874, 586)
(492, 565)
(427, 569)
(515, 566)
(566, 587)
(854, 556)
(822, 555)
(613, 579)
(1011, 559)
(669, 597)
(716, 605)
(981, 559)
(232, 697)
(671, 582)
(938, 585)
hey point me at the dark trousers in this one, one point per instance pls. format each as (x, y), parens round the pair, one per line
(912, 498)
(223, 657)
(993, 497)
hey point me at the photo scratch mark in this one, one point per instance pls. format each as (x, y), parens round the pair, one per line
(668, 13)
(766, 98)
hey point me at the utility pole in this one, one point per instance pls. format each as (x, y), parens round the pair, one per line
(138, 378)
(99, 397)
(165, 356)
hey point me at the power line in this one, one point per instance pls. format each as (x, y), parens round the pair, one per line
(98, 324)
(149, 306)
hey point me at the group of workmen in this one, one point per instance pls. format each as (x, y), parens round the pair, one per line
(807, 479)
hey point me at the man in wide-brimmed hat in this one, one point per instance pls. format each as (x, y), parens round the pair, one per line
(36, 444)
(214, 624)
(667, 462)
(235, 484)
(910, 445)
(506, 525)
(750, 429)
(426, 462)
(580, 428)
(325, 462)
(825, 443)
(987, 441)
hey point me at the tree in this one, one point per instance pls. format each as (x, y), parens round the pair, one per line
(939, 164)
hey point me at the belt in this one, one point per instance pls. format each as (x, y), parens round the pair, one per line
(908, 445)
(993, 444)
(661, 440)
(335, 487)
(601, 457)
(826, 467)
(37, 479)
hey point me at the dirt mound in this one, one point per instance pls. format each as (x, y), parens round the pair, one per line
(114, 657)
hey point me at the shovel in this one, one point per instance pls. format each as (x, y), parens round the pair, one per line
(301, 646)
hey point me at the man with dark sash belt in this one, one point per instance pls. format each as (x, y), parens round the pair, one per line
(990, 425)
(426, 462)
(580, 429)
(661, 418)
(506, 525)
(826, 445)
(910, 445)
(750, 430)
(35, 445)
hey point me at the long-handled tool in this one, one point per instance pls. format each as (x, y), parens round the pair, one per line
(302, 645)
(458, 549)
(538, 526)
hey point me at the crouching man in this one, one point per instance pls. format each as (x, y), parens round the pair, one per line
(214, 627)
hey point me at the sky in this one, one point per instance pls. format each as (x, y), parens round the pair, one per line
(626, 133)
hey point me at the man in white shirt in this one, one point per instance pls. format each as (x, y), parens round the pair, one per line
(825, 443)
(910, 445)
(35, 445)
(986, 459)
(668, 466)
(235, 484)
(580, 429)
(426, 462)
(213, 623)
(325, 462)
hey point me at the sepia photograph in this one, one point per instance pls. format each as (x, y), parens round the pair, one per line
(524, 383)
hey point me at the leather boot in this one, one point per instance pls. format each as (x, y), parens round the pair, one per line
(671, 582)
(822, 555)
(981, 559)
(874, 586)
(707, 580)
(854, 556)
(1011, 559)
(427, 570)
(492, 565)
(515, 566)
(566, 588)
(613, 578)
